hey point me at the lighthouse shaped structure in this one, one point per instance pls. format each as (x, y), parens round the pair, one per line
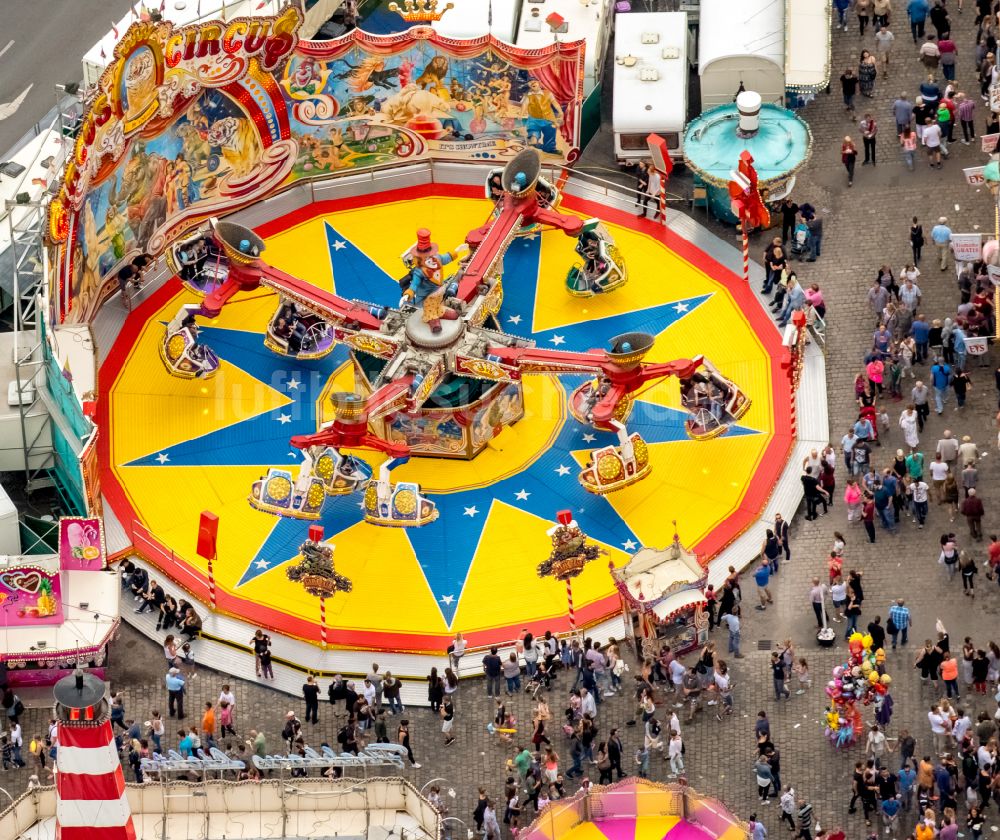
(90, 784)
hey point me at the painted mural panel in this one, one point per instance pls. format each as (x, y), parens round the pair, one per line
(198, 121)
(367, 100)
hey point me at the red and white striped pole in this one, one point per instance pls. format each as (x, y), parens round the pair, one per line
(322, 620)
(211, 582)
(746, 251)
(569, 600)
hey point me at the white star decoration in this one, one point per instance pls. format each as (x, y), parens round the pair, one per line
(163, 457)
(284, 418)
(514, 319)
(557, 340)
(629, 545)
(339, 245)
(262, 564)
(589, 438)
(447, 600)
(293, 384)
(562, 469)
(681, 307)
(471, 511)
(522, 495)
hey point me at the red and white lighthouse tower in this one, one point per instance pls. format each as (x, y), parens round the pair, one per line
(89, 783)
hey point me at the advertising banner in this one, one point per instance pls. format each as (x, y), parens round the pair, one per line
(81, 544)
(967, 247)
(30, 595)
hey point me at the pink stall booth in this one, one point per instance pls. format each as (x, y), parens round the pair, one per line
(58, 611)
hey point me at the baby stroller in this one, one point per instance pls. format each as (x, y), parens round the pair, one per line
(540, 680)
(800, 241)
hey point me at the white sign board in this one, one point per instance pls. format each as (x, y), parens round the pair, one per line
(989, 142)
(977, 345)
(967, 247)
(974, 176)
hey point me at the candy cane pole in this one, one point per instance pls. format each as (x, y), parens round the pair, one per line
(746, 251)
(211, 582)
(569, 600)
(322, 620)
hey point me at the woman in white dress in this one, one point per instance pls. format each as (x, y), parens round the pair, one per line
(908, 423)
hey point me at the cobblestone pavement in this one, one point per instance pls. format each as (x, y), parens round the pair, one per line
(865, 226)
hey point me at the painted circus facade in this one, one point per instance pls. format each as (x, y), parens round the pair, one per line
(198, 121)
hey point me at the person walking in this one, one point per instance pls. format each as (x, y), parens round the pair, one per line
(764, 778)
(932, 140)
(973, 511)
(898, 623)
(908, 144)
(310, 691)
(732, 622)
(849, 89)
(849, 156)
(967, 116)
(493, 669)
(916, 11)
(941, 237)
(817, 596)
(675, 754)
(403, 739)
(778, 677)
(869, 131)
(175, 693)
(762, 576)
(448, 721)
(884, 41)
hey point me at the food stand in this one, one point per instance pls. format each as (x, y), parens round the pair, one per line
(59, 611)
(663, 599)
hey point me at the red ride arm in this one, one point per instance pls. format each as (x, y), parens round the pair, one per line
(330, 306)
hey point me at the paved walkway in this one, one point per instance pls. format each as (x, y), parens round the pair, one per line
(865, 226)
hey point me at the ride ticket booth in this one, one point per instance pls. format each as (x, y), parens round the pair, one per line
(663, 599)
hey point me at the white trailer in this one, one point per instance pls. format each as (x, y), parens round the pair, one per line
(651, 82)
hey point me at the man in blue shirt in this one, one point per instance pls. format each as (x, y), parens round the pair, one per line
(917, 11)
(941, 236)
(940, 379)
(175, 693)
(920, 330)
(899, 615)
(907, 779)
(186, 744)
(762, 577)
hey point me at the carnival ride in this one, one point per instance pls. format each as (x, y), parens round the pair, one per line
(423, 350)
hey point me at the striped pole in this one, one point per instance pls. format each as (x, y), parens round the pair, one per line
(211, 582)
(569, 600)
(322, 620)
(746, 252)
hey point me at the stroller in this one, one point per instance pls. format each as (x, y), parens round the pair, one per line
(541, 679)
(800, 245)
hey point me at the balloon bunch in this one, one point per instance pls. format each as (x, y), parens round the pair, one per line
(860, 681)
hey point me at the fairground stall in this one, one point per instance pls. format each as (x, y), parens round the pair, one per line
(355, 321)
(58, 611)
(663, 599)
(636, 809)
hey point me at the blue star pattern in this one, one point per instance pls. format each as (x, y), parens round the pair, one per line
(548, 483)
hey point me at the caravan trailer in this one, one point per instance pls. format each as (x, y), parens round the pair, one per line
(651, 82)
